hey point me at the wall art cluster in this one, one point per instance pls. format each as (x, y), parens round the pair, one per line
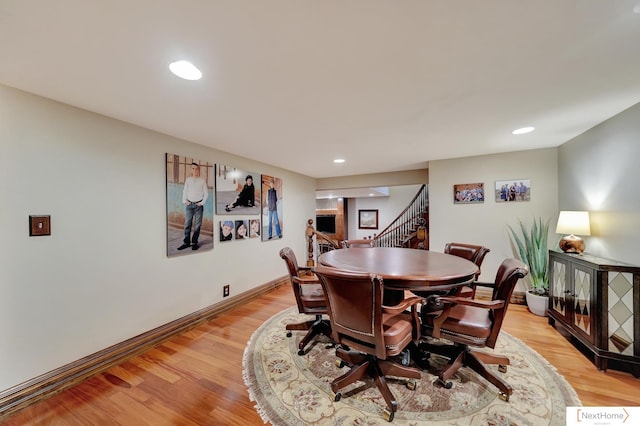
(505, 191)
(247, 205)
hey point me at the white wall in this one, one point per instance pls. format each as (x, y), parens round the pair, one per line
(388, 209)
(599, 172)
(103, 275)
(486, 223)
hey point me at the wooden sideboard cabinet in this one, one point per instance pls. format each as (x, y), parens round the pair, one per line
(598, 302)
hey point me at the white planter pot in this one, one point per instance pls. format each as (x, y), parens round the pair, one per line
(537, 304)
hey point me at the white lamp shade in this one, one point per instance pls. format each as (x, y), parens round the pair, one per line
(573, 222)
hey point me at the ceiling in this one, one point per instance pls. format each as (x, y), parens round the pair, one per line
(386, 85)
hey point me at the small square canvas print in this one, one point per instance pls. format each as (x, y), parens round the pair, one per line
(227, 229)
(254, 228)
(242, 229)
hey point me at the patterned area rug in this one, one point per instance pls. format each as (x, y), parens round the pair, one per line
(290, 389)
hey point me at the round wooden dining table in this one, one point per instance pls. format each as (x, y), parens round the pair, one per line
(423, 272)
(404, 268)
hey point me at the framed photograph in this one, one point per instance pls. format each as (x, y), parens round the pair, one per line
(227, 230)
(272, 202)
(237, 191)
(513, 190)
(468, 193)
(242, 230)
(190, 204)
(368, 219)
(254, 228)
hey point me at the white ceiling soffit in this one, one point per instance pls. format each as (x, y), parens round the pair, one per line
(354, 193)
(385, 85)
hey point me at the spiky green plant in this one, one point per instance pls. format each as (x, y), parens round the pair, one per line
(533, 251)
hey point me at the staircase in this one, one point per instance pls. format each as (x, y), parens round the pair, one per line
(403, 230)
(409, 229)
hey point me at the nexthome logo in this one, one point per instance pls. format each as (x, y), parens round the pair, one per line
(603, 416)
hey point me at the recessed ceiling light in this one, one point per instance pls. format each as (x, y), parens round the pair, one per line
(338, 160)
(186, 70)
(523, 130)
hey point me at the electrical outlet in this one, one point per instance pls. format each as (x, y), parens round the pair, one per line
(225, 291)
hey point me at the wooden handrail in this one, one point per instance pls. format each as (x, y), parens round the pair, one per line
(320, 236)
(407, 223)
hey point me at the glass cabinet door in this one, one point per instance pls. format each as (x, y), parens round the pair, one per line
(558, 279)
(582, 295)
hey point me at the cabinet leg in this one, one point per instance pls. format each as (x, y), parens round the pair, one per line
(601, 363)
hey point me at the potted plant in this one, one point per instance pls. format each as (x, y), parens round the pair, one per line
(533, 251)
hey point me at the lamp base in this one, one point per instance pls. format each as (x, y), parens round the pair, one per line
(572, 244)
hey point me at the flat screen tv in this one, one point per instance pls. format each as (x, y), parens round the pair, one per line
(326, 223)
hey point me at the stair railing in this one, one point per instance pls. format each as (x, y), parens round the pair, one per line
(409, 229)
(407, 221)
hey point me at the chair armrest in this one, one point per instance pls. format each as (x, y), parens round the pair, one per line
(305, 270)
(484, 284)
(306, 280)
(449, 302)
(486, 304)
(402, 306)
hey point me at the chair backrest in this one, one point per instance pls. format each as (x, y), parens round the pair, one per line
(308, 302)
(357, 243)
(354, 301)
(509, 272)
(290, 259)
(470, 252)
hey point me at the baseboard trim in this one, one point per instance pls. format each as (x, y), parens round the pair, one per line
(21, 396)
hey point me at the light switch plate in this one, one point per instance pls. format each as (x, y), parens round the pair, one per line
(39, 225)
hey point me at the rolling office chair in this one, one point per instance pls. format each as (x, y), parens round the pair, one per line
(470, 252)
(468, 322)
(310, 299)
(367, 333)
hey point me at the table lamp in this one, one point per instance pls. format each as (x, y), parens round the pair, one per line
(573, 223)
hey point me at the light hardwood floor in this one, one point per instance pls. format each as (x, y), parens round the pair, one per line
(196, 378)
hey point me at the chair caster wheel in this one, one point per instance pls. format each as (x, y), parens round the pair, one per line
(289, 334)
(388, 415)
(406, 358)
(446, 385)
(301, 352)
(411, 385)
(502, 368)
(340, 363)
(337, 396)
(503, 396)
